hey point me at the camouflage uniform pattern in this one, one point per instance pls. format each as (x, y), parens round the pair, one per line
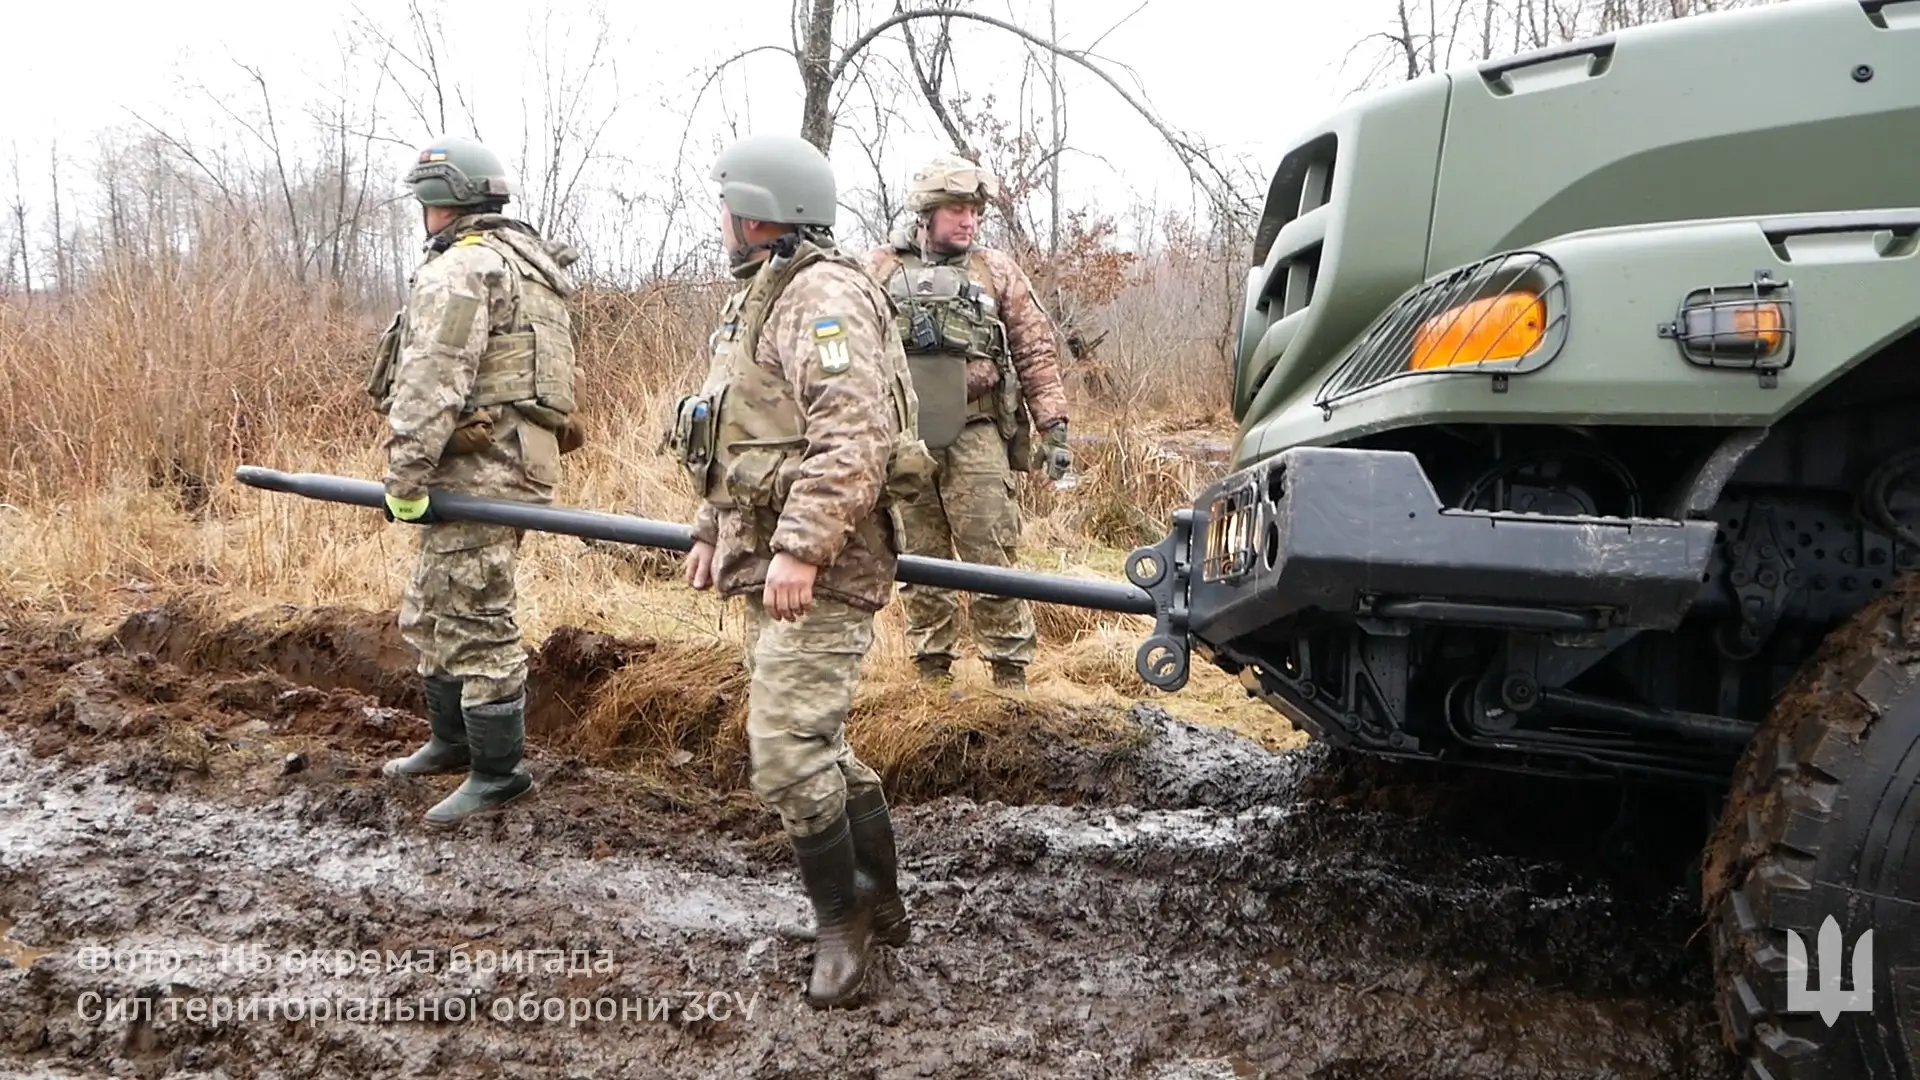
(826, 510)
(829, 516)
(1030, 334)
(973, 514)
(458, 610)
(801, 678)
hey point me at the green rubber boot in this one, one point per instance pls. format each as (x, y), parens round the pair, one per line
(872, 827)
(446, 749)
(496, 736)
(842, 911)
(1009, 676)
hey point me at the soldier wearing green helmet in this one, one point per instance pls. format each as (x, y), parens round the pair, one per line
(802, 440)
(475, 377)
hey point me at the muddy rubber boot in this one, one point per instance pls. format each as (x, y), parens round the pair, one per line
(1009, 676)
(872, 827)
(842, 912)
(933, 669)
(446, 749)
(496, 736)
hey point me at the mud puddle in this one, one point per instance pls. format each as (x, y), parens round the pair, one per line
(1181, 904)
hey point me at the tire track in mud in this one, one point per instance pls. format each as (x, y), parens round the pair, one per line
(1244, 929)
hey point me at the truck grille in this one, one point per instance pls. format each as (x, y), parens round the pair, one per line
(1480, 335)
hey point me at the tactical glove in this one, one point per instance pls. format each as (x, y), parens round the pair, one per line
(411, 511)
(1059, 459)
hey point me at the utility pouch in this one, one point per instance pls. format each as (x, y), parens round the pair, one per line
(386, 357)
(922, 335)
(692, 437)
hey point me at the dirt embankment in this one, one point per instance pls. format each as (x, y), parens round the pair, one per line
(194, 837)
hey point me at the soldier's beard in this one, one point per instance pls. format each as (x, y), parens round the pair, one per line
(938, 245)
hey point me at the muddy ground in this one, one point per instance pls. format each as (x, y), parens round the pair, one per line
(202, 874)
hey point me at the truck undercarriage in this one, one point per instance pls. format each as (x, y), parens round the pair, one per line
(1608, 600)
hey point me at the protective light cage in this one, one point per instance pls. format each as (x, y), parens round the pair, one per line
(1743, 327)
(1502, 316)
(1234, 525)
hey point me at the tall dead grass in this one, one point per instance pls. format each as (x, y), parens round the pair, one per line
(127, 405)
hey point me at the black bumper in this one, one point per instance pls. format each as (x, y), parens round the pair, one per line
(1362, 533)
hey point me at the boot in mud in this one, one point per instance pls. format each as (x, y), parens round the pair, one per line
(496, 736)
(446, 749)
(842, 911)
(1009, 676)
(872, 826)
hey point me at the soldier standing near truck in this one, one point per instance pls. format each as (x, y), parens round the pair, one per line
(798, 443)
(985, 369)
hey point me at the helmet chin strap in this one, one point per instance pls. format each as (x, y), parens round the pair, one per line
(741, 258)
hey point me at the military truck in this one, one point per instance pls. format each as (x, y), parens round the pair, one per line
(1576, 392)
(1577, 395)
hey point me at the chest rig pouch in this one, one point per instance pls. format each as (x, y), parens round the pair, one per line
(690, 434)
(386, 357)
(945, 320)
(531, 366)
(742, 437)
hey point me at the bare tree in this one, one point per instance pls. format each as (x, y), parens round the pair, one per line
(565, 139)
(20, 225)
(417, 68)
(824, 71)
(1429, 36)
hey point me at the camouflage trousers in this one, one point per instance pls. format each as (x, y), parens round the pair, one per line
(973, 515)
(801, 677)
(458, 610)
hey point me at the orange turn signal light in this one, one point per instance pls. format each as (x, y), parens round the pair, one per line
(1757, 329)
(1500, 327)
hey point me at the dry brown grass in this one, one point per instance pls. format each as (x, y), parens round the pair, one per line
(125, 409)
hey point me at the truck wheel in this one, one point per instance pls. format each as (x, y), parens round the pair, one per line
(1823, 819)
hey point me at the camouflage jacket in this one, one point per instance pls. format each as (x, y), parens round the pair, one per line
(826, 358)
(460, 296)
(1030, 332)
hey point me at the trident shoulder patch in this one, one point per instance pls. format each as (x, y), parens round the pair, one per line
(830, 345)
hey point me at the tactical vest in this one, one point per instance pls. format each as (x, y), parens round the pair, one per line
(743, 436)
(530, 366)
(947, 319)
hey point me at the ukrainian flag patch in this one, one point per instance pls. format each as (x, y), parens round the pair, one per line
(826, 328)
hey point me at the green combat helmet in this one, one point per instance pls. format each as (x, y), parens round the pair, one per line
(950, 179)
(782, 179)
(455, 171)
(779, 179)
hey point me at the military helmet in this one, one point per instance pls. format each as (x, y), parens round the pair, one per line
(456, 171)
(782, 179)
(948, 179)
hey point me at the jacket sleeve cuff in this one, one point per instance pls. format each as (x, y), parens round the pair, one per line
(794, 542)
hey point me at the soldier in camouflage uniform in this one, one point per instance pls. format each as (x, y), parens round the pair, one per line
(799, 443)
(476, 379)
(984, 366)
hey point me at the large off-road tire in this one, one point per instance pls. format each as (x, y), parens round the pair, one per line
(1821, 820)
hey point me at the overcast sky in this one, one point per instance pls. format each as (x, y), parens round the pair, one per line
(1243, 75)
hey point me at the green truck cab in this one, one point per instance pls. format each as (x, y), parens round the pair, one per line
(1579, 397)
